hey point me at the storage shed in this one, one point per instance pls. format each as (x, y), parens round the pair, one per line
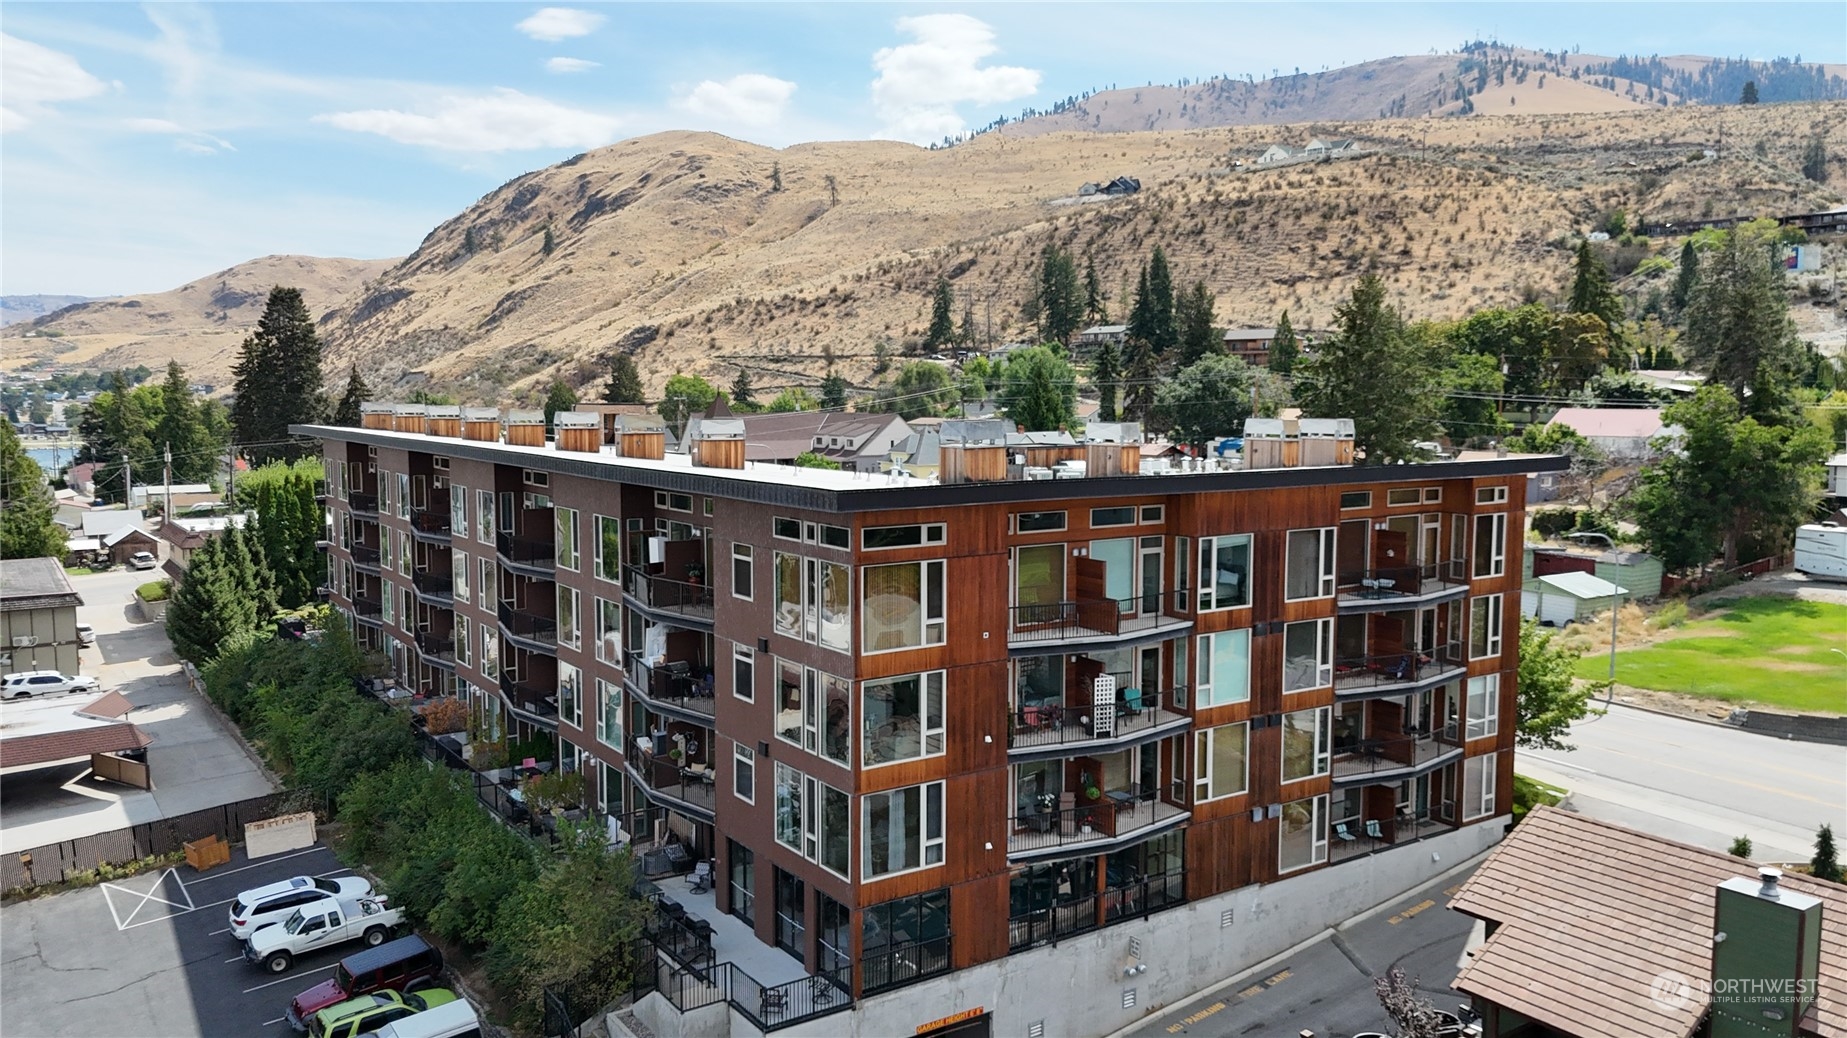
(1561, 598)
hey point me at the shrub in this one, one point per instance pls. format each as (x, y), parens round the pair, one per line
(1741, 848)
(1654, 265)
(1590, 520)
(155, 591)
(1670, 616)
(1550, 522)
(444, 716)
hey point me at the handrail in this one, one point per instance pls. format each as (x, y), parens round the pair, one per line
(1393, 668)
(540, 553)
(1393, 754)
(429, 520)
(657, 591)
(530, 626)
(365, 504)
(441, 648)
(1054, 724)
(659, 685)
(365, 555)
(440, 585)
(1082, 618)
(1403, 581)
(368, 606)
(1056, 827)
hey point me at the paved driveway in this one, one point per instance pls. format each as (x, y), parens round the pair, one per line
(152, 957)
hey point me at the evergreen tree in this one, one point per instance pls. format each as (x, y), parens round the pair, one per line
(1194, 314)
(1061, 300)
(1815, 160)
(560, 397)
(833, 393)
(181, 431)
(347, 414)
(1686, 279)
(1826, 864)
(1590, 288)
(624, 385)
(1738, 327)
(1165, 332)
(1096, 308)
(28, 511)
(207, 608)
(244, 560)
(743, 394)
(1748, 96)
(548, 244)
(1106, 375)
(942, 315)
(966, 334)
(1284, 350)
(1144, 370)
(1141, 323)
(776, 176)
(1039, 389)
(1374, 372)
(278, 380)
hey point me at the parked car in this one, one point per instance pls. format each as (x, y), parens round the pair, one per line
(45, 683)
(405, 964)
(142, 560)
(455, 1019)
(86, 635)
(275, 902)
(370, 1012)
(322, 924)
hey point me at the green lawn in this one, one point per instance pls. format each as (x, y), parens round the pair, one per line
(1780, 652)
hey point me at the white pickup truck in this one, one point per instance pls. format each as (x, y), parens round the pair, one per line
(322, 924)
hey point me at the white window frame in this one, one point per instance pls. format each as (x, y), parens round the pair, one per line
(458, 512)
(607, 650)
(743, 772)
(788, 795)
(1324, 655)
(1493, 554)
(928, 534)
(933, 629)
(932, 851)
(576, 599)
(567, 554)
(1322, 759)
(596, 550)
(458, 575)
(1482, 710)
(484, 516)
(1494, 624)
(570, 707)
(931, 684)
(608, 696)
(1491, 495)
(1204, 774)
(1416, 493)
(1208, 589)
(388, 602)
(462, 635)
(1206, 692)
(1324, 562)
(744, 654)
(489, 585)
(1482, 804)
(747, 555)
(490, 652)
(1318, 835)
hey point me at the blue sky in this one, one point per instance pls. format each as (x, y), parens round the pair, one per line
(145, 146)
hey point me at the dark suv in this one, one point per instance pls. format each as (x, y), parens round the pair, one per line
(405, 964)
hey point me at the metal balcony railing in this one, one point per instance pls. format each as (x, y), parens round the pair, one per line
(1403, 667)
(1386, 758)
(368, 607)
(1408, 581)
(532, 552)
(430, 520)
(1088, 618)
(362, 504)
(1117, 813)
(436, 648)
(435, 585)
(531, 627)
(1055, 724)
(673, 596)
(675, 682)
(364, 557)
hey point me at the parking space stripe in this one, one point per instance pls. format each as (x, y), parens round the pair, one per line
(272, 1023)
(285, 980)
(214, 874)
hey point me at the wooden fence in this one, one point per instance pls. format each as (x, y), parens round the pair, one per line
(55, 862)
(1693, 585)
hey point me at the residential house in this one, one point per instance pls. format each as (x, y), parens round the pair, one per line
(186, 535)
(1837, 476)
(1250, 345)
(101, 522)
(1098, 334)
(1275, 153)
(178, 495)
(125, 541)
(1318, 147)
(38, 617)
(945, 740)
(1594, 930)
(1621, 433)
(1570, 597)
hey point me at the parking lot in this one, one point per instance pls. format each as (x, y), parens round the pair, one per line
(152, 956)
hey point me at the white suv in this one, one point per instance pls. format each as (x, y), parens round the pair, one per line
(142, 560)
(44, 682)
(274, 903)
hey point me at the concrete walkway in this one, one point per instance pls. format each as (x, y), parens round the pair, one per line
(197, 760)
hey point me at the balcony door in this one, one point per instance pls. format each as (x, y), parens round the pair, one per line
(791, 922)
(1038, 579)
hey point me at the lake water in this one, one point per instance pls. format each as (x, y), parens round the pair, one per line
(51, 459)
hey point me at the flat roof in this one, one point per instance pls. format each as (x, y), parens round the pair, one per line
(827, 490)
(41, 731)
(35, 584)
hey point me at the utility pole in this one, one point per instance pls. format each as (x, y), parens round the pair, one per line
(128, 484)
(1616, 602)
(230, 470)
(167, 452)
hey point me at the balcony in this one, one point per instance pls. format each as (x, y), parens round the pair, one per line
(531, 556)
(1402, 587)
(1061, 730)
(1397, 673)
(436, 651)
(675, 598)
(1404, 827)
(366, 558)
(681, 785)
(532, 701)
(675, 686)
(362, 504)
(1119, 817)
(430, 524)
(368, 610)
(1091, 621)
(434, 588)
(529, 631)
(1389, 760)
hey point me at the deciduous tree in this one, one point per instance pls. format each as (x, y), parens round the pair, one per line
(683, 395)
(922, 389)
(1550, 698)
(1207, 399)
(1039, 389)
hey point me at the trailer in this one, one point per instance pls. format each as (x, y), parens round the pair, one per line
(1821, 550)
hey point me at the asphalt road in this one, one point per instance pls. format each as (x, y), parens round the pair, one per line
(1700, 783)
(1326, 987)
(151, 956)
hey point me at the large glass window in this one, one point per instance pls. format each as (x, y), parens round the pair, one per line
(831, 596)
(814, 710)
(458, 512)
(570, 695)
(568, 630)
(903, 718)
(905, 940)
(490, 652)
(1484, 707)
(1306, 735)
(901, 606)
(835, 810)
(464, 646)
(490, 583)
(1038, 522)
(744, 772)
(788, 807)
(1039, 575)
(742, 564)
(1118, 558)
(1478, 777)
(458, 575)
(608, 548)
(484, 516)
(1304, 839)
(1224, 572)
(1491, 544)
(904, 829)
(609, 630)
(1309, 567)
(1484, 626)
(743, 673)
(1308, 660)
(837, 720)
(1224, 668)
(788, 617)
(609, 713)
(564, 523)
(789, 701)
(1220, 761)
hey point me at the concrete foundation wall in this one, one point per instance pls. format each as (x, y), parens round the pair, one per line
(713, 1021)
(1076, 987)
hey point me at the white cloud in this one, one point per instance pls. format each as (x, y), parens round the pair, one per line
(749, 99)
(552, 24)
(32, 77)
(195, 141)
(505, 120)
(566, 65)
(920, 83)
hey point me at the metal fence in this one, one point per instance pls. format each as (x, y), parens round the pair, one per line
(56, 862)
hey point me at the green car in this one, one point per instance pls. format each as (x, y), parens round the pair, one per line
(371, 1012)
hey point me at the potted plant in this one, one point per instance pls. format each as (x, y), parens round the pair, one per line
(1045, 801)
(695, 573)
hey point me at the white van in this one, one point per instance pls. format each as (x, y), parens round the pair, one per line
(455, 1019)
(1821, 550)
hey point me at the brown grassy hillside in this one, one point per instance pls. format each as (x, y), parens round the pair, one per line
(675, 247)
(200, 324)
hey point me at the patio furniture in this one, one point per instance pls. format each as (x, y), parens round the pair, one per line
(700, 878)
(1340, 830)
(1373, 830)
(1131, 702)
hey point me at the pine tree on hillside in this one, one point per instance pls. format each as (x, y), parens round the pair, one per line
(1590, 288)
(1143, 371)
(1096, 308)
(560, 397)
(1687, 277)
(1748, 96)
(278, 380)
(1164, 332)
(1061, 298)
(1194, 315)
(28, 511)
(1375, 372)
(1738, 327)
(833, 393)
(1284, 350)
(624, 385)
(743, 394)
(1106, 375)
(357, 392)
(181, 431)
(942, 315)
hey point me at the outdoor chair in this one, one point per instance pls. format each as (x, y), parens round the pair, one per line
(1131, 705)
(1373, 830)
(700, 879)
(1340, 830)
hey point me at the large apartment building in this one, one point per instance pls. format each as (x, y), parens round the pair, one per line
(923, 726)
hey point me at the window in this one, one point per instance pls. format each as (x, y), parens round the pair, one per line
(673, 502)
(1124, 516)
(570, 695)
(388, 609)
(403, 495)
(1038, 522)
(788, 615)
(609, 713)
(1485, 626)
(1402, 496)
(789, 701)
(564, 521)
(533, 477)
(1154, 513)
(836, 719)
(744, 772)
(490, 583)
(484, 516)
(490, 653)
(788, 529)
(1224, 668)
(879, 538)
(904, 940)
(1224, 572)
(1490, 495)
(462, 635)
(901, 718)
(812, 819)
(813, 710)
(904, 829)
(1304, 839)
(608, 548)
(788, 807)
(836, 537)
(829, 603)
(1221, 761)
(1484, 718)
(901, 606)
(1307, 659)
(1305, 743)
(1356, 499)
(458, 512)
(458, 575)
(1491, 544)
(1478, 775)
(1309, 570)
(569, 633)
(608, 631)
(741, 563)
(405, 552)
